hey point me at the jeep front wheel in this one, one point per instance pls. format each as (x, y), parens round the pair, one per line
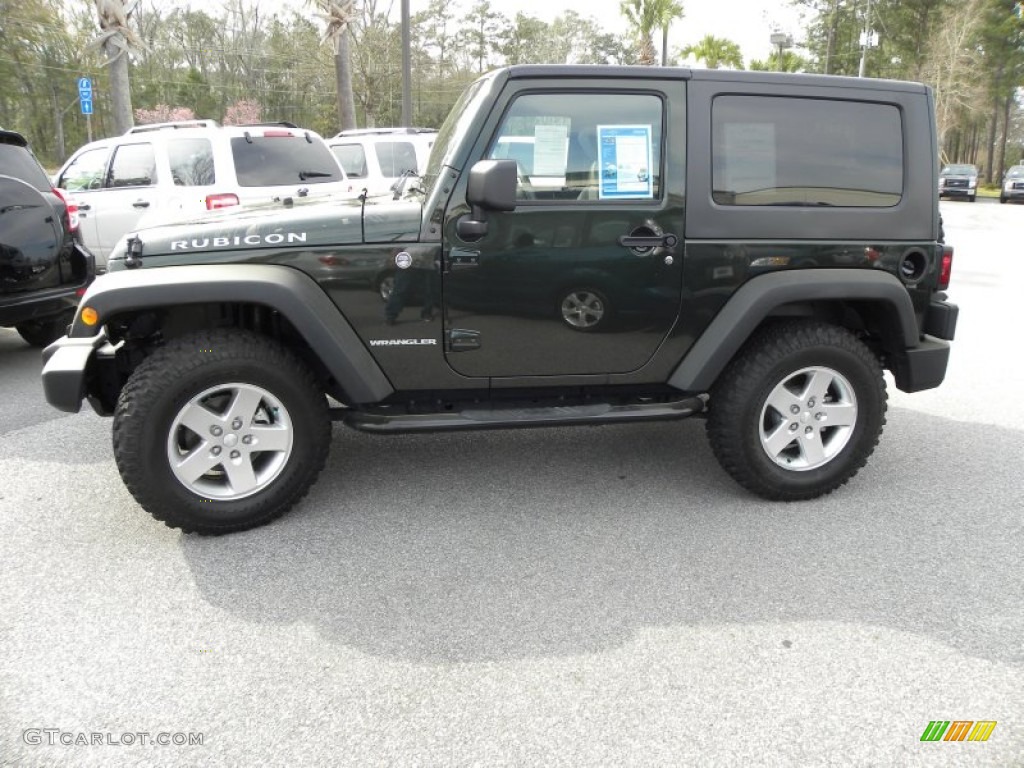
(220, 431)
(798, 411)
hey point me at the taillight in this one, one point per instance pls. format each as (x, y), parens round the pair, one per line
(213, 202)
(72, 208)
(946, 269)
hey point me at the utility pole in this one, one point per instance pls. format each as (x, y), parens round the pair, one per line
(406, 66)
(865, 42)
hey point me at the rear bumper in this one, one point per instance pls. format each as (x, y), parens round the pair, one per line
(38, 305)
(65, 364)
(924, 366)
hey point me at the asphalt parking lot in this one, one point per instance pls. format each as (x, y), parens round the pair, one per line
(548, 597)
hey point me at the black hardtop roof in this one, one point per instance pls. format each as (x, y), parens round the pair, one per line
(582, 71)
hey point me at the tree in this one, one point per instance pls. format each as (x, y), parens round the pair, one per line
(715, 52)
(647, 16)
(163, 113)
(243, 112)
(339, 15)
(791, 62)
(116, 39)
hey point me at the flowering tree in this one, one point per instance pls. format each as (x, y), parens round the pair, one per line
(244, 112)
(162, 113)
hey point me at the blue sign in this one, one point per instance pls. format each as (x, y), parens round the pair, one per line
(86, 106)
(84, 85)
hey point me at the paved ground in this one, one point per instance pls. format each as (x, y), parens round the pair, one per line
(551, 597)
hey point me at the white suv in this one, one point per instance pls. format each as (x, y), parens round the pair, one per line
(190, 167)
(375, 158)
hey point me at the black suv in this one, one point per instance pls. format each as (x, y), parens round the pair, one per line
(43, 268)
(751, 247)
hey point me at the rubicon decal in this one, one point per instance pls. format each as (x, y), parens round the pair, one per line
(274, 238)
(958, 730)
(402, 342)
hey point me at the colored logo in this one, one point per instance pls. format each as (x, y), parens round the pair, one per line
(958, 730)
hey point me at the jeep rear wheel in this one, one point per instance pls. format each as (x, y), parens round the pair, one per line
(220, 431)
(798, 411)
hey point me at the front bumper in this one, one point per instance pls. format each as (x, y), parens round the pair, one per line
(957, 192)
(1012, 194)
(65, 365)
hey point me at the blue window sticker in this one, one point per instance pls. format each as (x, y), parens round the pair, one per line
(626, 160)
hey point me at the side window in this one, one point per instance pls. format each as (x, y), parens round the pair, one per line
(805, 152)
(191, 162)
(85, 171)
(583, 146)
(352, 159)
(396, 157)
(134, 165)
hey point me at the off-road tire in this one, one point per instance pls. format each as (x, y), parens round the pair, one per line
(164, 383)
(739, 403)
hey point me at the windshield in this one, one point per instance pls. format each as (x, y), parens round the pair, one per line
(453, 130)
(1017, 172)
(960, 170)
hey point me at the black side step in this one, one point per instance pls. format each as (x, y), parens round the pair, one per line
(497, 418)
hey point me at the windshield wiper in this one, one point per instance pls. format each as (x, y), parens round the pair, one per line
(303, 175)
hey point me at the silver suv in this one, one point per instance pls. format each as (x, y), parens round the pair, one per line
(190, 167)
(375, 158)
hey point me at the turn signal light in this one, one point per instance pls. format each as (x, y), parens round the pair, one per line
(90, 316)
(946, 270)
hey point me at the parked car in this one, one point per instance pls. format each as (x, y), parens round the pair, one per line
(44, 270)
(960, 180)
(187, 167)
(1013, 184)
(375, 158)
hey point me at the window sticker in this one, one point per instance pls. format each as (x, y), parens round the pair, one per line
(626, 160)
(550, 148)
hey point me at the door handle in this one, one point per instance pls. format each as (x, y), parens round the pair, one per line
(140, 204)
(649, 241)
(85, 207)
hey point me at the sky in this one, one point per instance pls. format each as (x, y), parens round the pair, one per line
(746, 22)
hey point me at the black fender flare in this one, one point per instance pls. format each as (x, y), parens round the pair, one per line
(759, 297)
(289, 291)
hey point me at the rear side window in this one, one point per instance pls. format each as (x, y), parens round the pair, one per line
(806, 152)
(85, 171)
(396, 157)
(191, 162)
(21, 164)
(134, 165)
(352, 158)
(271, 161)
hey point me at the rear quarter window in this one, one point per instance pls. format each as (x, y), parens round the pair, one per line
(21, 164)
(282, 160)
(790, 151)
(191, 162)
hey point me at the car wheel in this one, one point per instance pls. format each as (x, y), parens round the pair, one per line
(584, 309)
(972, 198)
(798, 412)
(1002, 199)
(40, 333)
(220, 431)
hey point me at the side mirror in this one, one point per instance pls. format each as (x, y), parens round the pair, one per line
(491, 187)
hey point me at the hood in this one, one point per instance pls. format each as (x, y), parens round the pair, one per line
(219, 235)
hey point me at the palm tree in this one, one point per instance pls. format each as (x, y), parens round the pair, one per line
(715, 52)
(339, 16)
(116, 39)
(791, 62)
(647, 16)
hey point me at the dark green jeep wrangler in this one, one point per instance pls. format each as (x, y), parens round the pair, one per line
(589, 245)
